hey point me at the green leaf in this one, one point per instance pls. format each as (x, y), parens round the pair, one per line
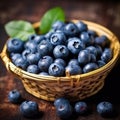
(19, 29)
(50, 17)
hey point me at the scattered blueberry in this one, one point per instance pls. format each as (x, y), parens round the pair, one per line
(105, 109)
(14, 56)
(29, 109)
(81, 107)
(14, 96)
(63, 108)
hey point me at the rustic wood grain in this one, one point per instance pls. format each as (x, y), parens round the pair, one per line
(104, 13)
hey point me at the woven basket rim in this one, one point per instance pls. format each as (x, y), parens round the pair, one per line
(67, 78)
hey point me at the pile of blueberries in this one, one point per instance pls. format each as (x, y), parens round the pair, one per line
(67, 48)
(64, 109)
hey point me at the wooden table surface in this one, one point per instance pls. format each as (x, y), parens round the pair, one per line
(104, 13)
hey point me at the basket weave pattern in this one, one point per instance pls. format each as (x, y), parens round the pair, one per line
(75, 87)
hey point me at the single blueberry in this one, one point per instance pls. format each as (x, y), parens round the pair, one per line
(60, 51)
(45, 47)
(33, 69)
(21, 63)
(64, 110)
(106, 55)
(56, 69)
(84, 57)
(73, 69)
(73, 62)
(44, 63)
(29, 109)
(43, 73)
(102, 41)
(33, 58)
(14, 96)
(90, 67)
(57, 38)
(86, 38)
(60, 61)
(71, 30)
(100, 63)
(82, 26)
(58, 25)
(75, 45)
(92, 50)
(60, 100)
(15, 45)
(105, 108)
(81, 107)
(31, 45)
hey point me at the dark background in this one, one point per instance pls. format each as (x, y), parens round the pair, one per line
(106, 13)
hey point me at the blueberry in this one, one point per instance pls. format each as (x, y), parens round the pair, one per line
(63, 109)
(93, 58)
(106, 55)
(90, 67)
(36, 38)
(45, 47)
(92, 50)
(105, 109)
(14, 96)
(56, 69)
(57, 38)
(73, 62)
(101, 63)
(44, 63)
(60, 51)
(86, 38)
(43, 73)
(60, 61)
(21, 63)
(75, 45)
(84, 57)
(73, 69)
(82, 26)
(92, 33)
(15, 45)
(33, 58)
(58, 25)
(47, 35)
(29, 109)
(99, 50)
(102, 41)
(58, 101)
(81, 107)
(31, 45)
(71, 30)
(33, 69)
(14, 56)
(25, 53)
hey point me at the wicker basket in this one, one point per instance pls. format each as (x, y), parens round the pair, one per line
(75, 87)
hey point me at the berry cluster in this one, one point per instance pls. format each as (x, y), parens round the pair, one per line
(64, 109)
(67, 48)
